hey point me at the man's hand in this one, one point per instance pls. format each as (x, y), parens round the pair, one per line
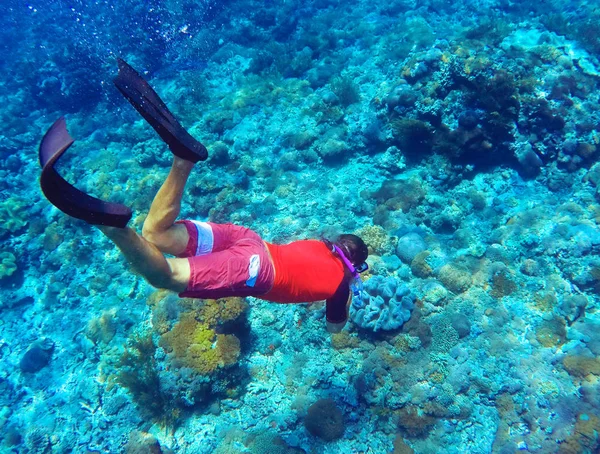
(335, 327)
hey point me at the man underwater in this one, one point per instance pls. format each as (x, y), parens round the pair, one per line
(212, 260)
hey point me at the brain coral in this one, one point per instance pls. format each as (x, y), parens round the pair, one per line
(385, 304)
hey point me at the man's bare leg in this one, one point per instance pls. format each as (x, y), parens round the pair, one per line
(160, 228)
(160, 235)
(148, 260)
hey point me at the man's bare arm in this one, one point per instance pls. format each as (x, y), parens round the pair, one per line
(337, 327)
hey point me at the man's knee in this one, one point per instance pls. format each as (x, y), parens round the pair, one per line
(167, 282)
(150, 234)
(175, 279)
(171, 241)
(161, 239)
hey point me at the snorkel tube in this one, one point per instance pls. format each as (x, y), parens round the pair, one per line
(356, 285)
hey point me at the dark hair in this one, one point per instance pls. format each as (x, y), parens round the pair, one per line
(354, 247)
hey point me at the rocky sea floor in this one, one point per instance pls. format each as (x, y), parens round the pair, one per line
(459, 140)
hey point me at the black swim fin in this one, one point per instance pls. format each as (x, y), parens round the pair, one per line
(145, 100)
(67, 197)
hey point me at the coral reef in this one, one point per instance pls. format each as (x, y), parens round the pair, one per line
(459, 139)
(385, 304)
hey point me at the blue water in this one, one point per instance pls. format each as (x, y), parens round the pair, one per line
(460, 140)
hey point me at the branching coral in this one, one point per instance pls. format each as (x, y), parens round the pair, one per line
(413, 136)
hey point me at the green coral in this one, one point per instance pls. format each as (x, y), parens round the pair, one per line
(8, 264)
(13, 216)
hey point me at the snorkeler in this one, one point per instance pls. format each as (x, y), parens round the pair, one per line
(212, 260)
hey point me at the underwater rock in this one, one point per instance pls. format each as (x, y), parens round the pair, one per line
(573, 306)
(434, 293)
(469, 119)
(38, 356)
(528, 158)
(325, 420)
(455, 278)
(38, 440)
(462, 325)
(409, 246)
(401, 96)
(143, 443)
(588, 331)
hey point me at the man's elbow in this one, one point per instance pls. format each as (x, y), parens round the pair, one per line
(335, 327)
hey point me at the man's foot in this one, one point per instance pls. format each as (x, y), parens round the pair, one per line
(145, 100)
(67, 197)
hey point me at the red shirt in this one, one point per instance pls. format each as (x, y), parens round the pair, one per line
(305, 271)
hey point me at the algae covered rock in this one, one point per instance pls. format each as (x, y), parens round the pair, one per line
(409, 246)
(455, 278)
(325, 420)
(8, 264)
(37, 356)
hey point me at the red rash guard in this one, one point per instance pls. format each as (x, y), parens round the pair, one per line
(305, 271)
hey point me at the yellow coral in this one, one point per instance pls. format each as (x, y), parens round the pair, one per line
(344, 340)
(179, 338)
(201, 359)
(585, 436)
(156, 297)
(581, 366)
(551, 333)
(223, 310)
(202, 335)
(419, 265)
(197, 345)
(376, 239)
